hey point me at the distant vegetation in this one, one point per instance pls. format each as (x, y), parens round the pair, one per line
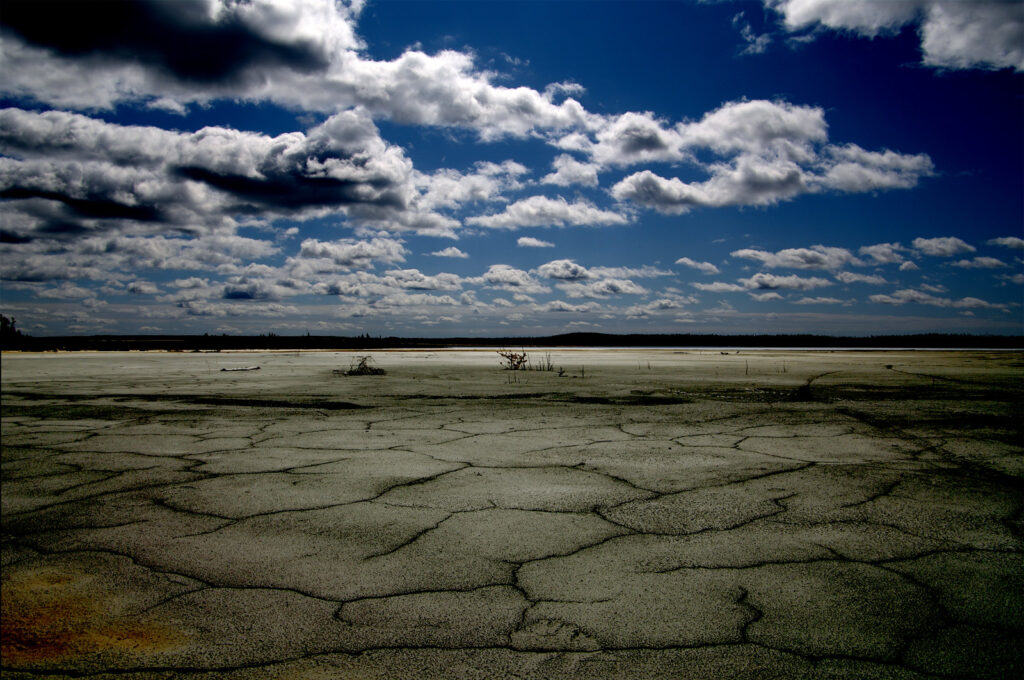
(10, 336)
(14, 339)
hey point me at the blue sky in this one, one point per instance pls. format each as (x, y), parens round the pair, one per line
(512, 168)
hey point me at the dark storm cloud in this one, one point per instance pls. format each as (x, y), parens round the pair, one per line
(293, 190)
(178, 37)
(61, 168)
(91, 207)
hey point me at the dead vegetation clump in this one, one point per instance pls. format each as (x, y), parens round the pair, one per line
(513, 361)
(361, 366)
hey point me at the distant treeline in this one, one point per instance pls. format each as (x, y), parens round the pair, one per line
(187, 343)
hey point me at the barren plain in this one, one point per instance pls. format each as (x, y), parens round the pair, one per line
(647, 514)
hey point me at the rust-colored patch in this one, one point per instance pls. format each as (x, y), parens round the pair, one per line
(52, 614)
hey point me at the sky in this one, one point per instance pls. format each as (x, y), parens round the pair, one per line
(431, 169)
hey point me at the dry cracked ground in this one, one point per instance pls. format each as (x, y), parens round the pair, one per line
(648, 514)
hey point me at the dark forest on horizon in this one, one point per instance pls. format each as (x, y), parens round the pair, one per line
(187, 343)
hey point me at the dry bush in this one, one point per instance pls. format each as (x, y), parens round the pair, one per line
(513, 361)
(361, 366)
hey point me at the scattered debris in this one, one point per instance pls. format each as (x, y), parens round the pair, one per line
(242, 368)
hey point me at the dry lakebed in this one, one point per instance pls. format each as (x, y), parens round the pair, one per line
(646, 514)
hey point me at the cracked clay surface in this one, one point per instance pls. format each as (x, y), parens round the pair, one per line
(651, 514)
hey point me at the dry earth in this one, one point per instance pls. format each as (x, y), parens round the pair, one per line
(650, 514)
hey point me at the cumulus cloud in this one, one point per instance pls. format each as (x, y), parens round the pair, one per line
(644, 272)
(854, 170)
(655, 307)
(563, 306)
(851, 277)
(506, 277)
(815, 257)
(769, 152)
(353, 254)
(601, 289)
(302, 55)
(451, 189)
(450, 251)
(884, 253)
(818, 301)
(569, 171)
(944, 246)
(957, 35)
(414, 279)
(979, 263)
(908, 295)
(720, 287)
(530, 242)
(1014, 242)
(68, 173)
(764, 281)
(143, 288)
(541, 211)
(566, 270)
(705, 267)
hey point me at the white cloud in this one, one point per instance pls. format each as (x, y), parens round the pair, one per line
(764, 281)
(602, 289)
(854, 170)
(962, 35)
(944, 246)
(353, 254)
(720, 287)
(851, 277)
(655, 307)
(705, 267)
(505, 277)
(566, 270)
(815, 257)
(541, 211)
(755, 44)
(143, 288)
(67, 291)
(765, 297)
(770, 152)
(905, 296)
(451, 189)
(908, 267)
(562, 306)
(569, 171)
(954, 34)
(883, 253)
(530, 242)
(631, 138)
(414, 279)
(644, 272)
(818, 301)
(450, 251)
(1014, 242)
(979, 263)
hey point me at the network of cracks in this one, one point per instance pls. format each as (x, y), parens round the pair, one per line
(534, 537)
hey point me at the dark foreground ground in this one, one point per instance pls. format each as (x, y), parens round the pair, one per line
(676, 514)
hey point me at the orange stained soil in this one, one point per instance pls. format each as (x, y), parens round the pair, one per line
(50, 614)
